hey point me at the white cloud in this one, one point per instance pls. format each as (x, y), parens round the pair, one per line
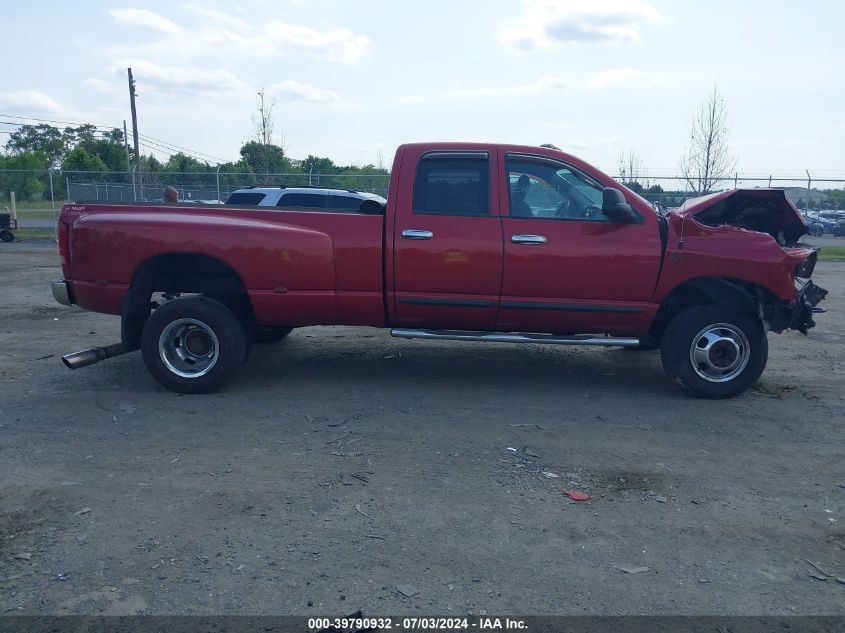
(30, 101)
(623, 77)
(145, 19)
(225, 38)
(209, 83)
(106, 87)
(549, 23)
(546, 83)
(340, 45)
(295, 91)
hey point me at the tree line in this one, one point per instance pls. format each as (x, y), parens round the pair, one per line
(32, 150)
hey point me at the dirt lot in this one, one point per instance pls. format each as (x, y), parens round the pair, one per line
(343, 463)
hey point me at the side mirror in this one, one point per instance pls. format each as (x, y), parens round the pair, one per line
(613, 206)
(372, 207)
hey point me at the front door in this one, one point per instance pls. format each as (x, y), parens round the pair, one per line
(567, 268)
(447, 242)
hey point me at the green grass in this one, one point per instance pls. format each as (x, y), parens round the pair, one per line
(37, 214)
(832, 254)
(35, 234)
(32, 204)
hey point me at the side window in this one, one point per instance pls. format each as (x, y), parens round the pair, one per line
(246, 199)
(541, 188)
(453, 184)
(347, 203)
(307, 200)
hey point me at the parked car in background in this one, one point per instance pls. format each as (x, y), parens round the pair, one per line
(818, 224)
(304, 198)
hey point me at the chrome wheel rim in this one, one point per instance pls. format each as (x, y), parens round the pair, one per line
(188, 348)
(719, 352)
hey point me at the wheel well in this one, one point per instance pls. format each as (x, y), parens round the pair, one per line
(186, 273)
(742, 295)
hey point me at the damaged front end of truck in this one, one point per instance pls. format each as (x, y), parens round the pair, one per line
(772, 227)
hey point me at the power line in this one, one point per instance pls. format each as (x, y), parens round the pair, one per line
(173, 146)
(30, 118)
(164, 146)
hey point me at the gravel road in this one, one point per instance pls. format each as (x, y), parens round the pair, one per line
(344, 470)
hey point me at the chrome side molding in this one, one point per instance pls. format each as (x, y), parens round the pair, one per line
(516, 337)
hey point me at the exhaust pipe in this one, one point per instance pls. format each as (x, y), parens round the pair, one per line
(94, 355)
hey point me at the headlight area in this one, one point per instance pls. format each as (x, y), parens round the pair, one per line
(805, 269)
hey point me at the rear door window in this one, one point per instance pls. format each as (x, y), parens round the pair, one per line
(246, 198)
(303, 201)
(346, 203)
(453, 184)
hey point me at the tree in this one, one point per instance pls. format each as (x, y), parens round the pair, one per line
(262, 154)
(265, 159)
(631, 170)
(707, 159)
(25, 175)
(80, 160)
(43, 139)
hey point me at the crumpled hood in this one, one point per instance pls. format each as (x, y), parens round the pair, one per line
(764, 210)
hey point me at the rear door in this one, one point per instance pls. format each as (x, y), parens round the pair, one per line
(447, 241)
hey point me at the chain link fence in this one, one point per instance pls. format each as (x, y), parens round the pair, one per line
(40, 194)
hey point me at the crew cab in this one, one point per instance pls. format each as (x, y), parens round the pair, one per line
(476, 242)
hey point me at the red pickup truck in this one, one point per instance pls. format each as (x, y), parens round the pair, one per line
(477, 242)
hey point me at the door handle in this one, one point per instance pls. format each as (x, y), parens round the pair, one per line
(528, 239)
(414, 234)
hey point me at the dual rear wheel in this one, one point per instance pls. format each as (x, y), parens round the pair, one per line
(196, 344)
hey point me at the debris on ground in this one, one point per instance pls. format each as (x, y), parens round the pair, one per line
(531, 452)
(511, 449)
(661, 499)
(542, 428)
(550, 475)
(24, 556)
(79, 513)
(634, 570)
(818, 568)
(409, 591)
(128, 408)
(577, 495)
(815, 576)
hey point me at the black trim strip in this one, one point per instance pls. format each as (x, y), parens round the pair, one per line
(568, 307)
(456, 303)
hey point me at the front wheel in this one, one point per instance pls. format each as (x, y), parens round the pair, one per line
(193, 345)
(7, 236)
(714, 351)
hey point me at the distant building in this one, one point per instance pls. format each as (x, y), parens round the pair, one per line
(802, 198)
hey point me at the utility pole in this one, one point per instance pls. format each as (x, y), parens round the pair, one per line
(135, 129)
(128, 164)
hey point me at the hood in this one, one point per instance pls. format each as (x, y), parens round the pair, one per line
(763, 210)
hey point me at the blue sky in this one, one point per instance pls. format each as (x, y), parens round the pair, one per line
(355, 79)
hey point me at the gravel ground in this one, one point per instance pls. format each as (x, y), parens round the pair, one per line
(343, 469)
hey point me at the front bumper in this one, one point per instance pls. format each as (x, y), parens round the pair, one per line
(798, 315)
(61, 292)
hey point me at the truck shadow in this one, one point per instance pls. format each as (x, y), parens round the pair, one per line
(378, 360)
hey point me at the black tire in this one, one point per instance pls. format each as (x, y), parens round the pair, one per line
(264, 334)
(7, 236)
(733, 355)
(175, 339)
